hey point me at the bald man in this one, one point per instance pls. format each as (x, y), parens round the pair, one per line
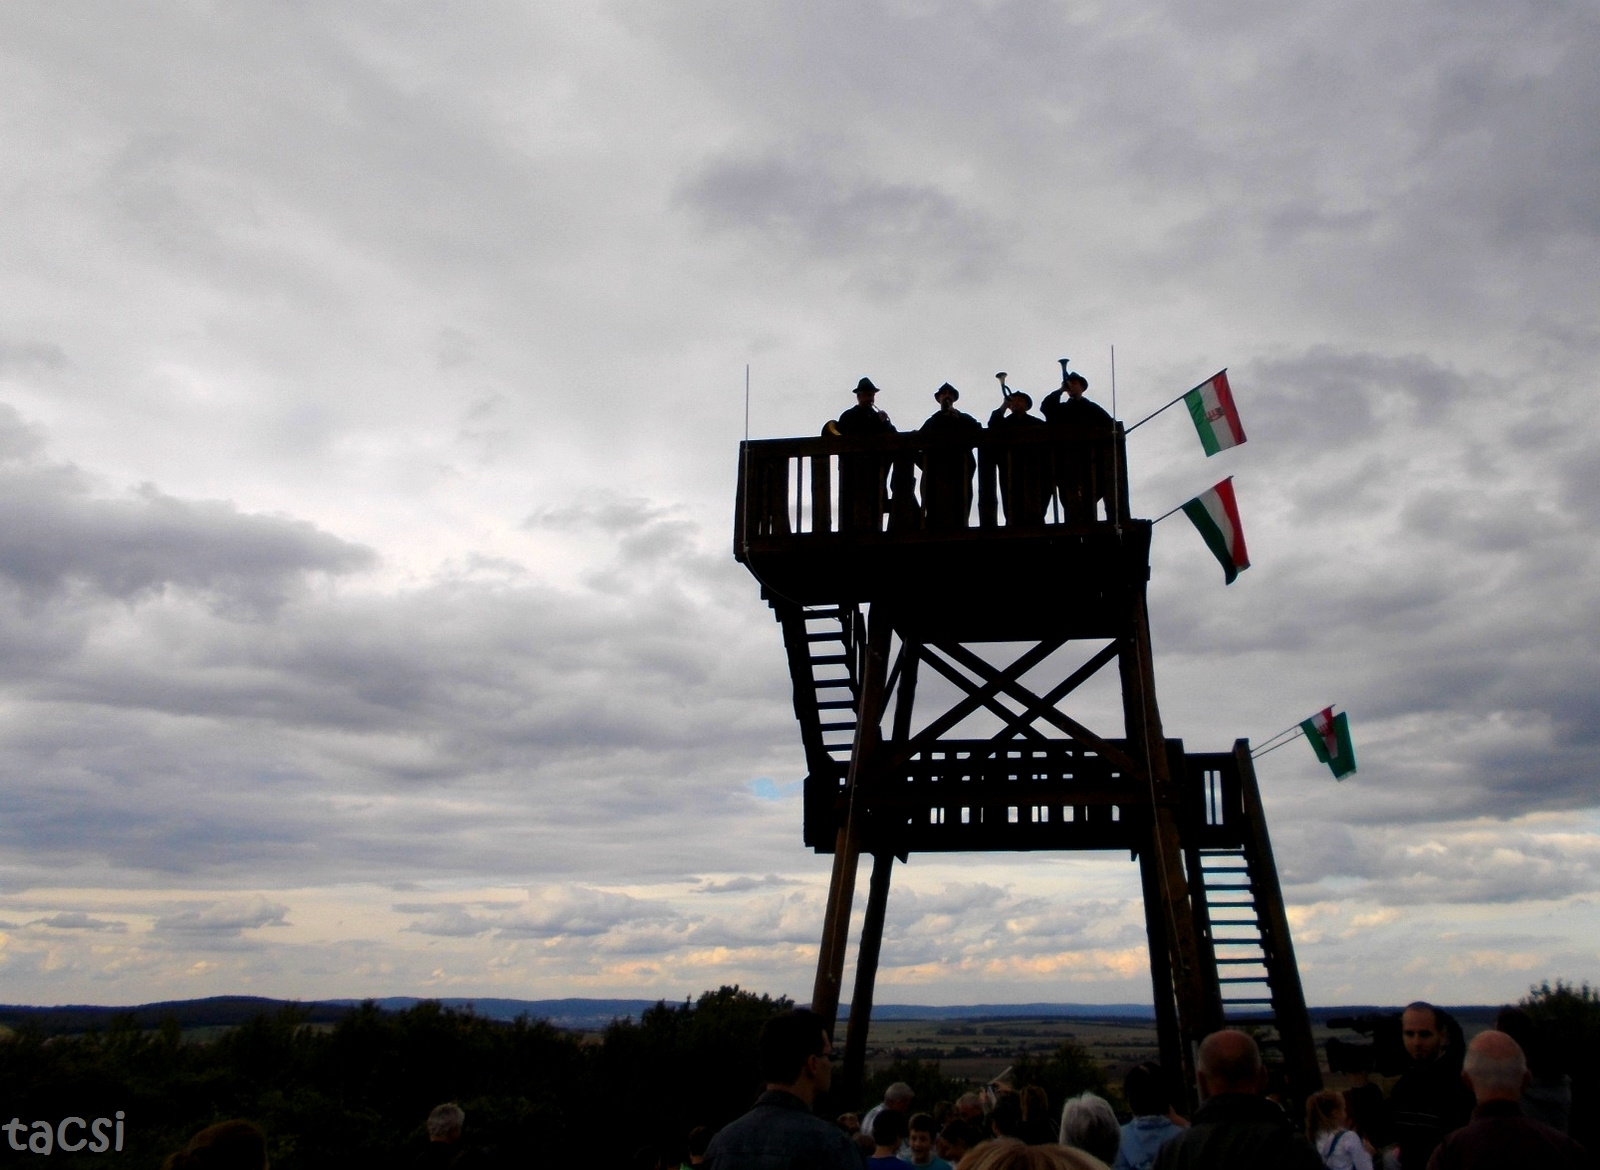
(1236, 1128)
(1499, 1135)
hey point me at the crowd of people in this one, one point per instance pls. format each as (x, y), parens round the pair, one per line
(1457, 1106)
(1479, 1107)
(1031, 480)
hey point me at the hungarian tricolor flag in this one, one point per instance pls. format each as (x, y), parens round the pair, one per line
(1330, 739)
(1216, 515)
(1215, 416)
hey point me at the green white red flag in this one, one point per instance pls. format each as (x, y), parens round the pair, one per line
(1216, 514)
(1330, 739)
(1215, 416)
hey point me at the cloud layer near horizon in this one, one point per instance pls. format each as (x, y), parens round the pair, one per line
(371, 385)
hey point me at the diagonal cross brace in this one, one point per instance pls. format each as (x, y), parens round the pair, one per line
(976, 697)
(967, 685)
(1056, 693)
(1005, 681)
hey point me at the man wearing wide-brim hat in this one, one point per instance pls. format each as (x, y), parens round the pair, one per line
(947, 474)
(1024, 473)
(863, 479)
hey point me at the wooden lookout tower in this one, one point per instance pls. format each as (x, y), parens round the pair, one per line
(876, 579)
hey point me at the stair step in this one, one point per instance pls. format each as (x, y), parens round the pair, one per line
(1242, 979)
(850, 726)
(837, 705)
(1238, 960)
(1260, 999)
(829, 659)
(1231, 921)
(826, 636)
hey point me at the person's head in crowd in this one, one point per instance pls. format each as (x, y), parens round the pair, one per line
(1421, 1032)
(849, 1122)
(864, 1143)
(1006, 1119)
(1089, 1123)
(1230, 1063)
(1520, 1026)
(1495, 1067)
(794, 1053)
(1005, 1154)
(1325, 1113)
(888, 1131)
(699, 1138)
(969, 1108)
(228, 1145)
(920, 1133)
(445, 1122)
(955, 1139)
(1035, 1102)
(943, 1111)
(1145, 1089)
(898, 1097)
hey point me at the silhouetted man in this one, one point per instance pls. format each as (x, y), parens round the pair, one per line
(862, 478)
(1429, 1100)
(1499, 1135)
(947, 475)
(781, 1131)
(1024, 478)
(1235, 1127)
(1083, 471)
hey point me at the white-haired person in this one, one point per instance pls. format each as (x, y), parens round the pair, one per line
(1499, 1134)
(1089, 1123)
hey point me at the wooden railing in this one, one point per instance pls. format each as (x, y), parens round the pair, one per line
(891, 485)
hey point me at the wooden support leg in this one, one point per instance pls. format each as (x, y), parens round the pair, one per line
(855, 1047)
(847, 846)
(1168, 1041)
(1196, 1016)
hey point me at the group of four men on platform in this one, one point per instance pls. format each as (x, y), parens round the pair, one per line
(1028, 477)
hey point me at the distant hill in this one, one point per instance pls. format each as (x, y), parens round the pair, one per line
(575, 1014)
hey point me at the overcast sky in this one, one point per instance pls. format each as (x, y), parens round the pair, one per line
(371, 378)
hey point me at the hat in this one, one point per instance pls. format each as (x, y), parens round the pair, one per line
(1027, 402)
(1076, 377)
(865, 386)
(954, 393)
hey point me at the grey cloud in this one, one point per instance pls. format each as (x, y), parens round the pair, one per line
(78, 920)
(29, 355)
(888, 234)
(58, 534)
(576, 910)
(224, 919)
(740, 884)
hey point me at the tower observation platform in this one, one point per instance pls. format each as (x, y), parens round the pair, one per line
(1007, 564)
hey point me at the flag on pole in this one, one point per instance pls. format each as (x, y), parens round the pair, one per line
(1215, 416)
(1216, 515)
(1330, 739)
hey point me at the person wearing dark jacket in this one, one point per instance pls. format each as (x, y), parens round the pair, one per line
(1024, 472)
(781, 1132)
(1083, 471)
(947, 475)
(863, 478)
(1500, 1135)
(1429, 1100)
(1235, 1127)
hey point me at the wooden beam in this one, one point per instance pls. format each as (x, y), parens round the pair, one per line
(847, 845)
(855, 1045)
